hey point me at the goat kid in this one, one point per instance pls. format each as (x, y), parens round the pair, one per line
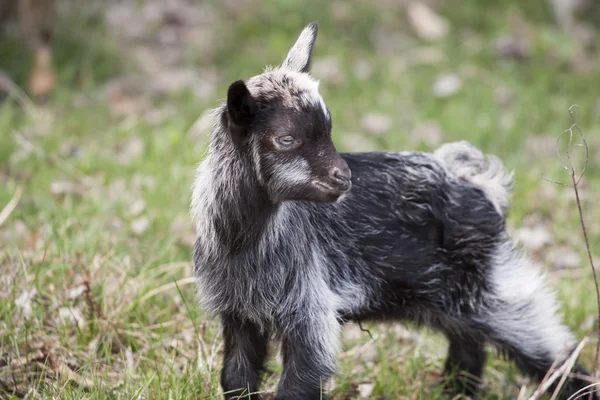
(291, 243)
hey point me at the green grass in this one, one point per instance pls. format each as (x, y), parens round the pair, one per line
(74, 237)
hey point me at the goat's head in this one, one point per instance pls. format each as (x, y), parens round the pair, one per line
(280, 122)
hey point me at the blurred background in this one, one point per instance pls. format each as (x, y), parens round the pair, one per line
(104, 115)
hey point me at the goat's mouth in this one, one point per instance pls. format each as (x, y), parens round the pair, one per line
(338, 189)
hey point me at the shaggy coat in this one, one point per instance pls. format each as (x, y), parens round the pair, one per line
(294, 239)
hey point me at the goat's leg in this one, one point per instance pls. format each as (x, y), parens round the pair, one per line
(245, 353)
(309, 352)
(464, 364)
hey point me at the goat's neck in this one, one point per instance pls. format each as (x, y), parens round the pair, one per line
(242, 207)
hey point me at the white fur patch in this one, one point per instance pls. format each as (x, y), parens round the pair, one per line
(201, 193)
(526, 313)
(292, 76)
(350, 297)
(324, 107)
(256, 161)
(467, 162)
(294, 89)
(297, 171)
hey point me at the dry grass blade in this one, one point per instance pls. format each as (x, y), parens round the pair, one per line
(550, 371)
(9, 86)
(588, 390)
(521, 395)
(568, 369)
(71, 375)
(12, 204)
(167, 287)
(563, 371)
(67, 168)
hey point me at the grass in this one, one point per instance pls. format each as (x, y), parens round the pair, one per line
(98, 299)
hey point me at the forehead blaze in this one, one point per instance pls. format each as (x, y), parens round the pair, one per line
(288, 89)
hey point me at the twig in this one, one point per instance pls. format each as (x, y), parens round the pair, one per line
(570, 168)
(587, 242)
(12, 204)
(587, 245)
(562, 370)
(364, 329)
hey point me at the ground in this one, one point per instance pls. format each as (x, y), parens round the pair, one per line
(97, 296)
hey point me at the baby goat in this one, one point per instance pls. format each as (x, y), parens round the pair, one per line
(287, 250)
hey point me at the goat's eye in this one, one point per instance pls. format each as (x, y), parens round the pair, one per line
(287, 140)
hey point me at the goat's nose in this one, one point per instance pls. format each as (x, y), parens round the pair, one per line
(341, 174)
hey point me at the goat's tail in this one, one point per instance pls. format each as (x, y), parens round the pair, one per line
(486, 172)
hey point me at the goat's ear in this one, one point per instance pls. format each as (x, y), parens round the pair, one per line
(241, 107)
(298, 59)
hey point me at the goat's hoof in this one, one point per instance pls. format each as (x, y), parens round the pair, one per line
(458, 388)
